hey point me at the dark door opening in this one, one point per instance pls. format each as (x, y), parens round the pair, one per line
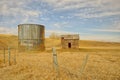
(69, 45)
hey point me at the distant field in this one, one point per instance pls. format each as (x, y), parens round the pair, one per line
(103, 61)
(12, 41)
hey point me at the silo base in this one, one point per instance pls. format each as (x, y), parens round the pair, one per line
(24, 48)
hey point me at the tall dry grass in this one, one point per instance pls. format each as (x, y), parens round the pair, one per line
(39, 66)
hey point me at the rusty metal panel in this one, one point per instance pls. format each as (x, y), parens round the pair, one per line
(31, 36)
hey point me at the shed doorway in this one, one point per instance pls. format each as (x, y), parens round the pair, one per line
(69, 45)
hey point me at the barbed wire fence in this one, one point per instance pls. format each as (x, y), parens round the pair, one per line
(58, 67)
(8, 55)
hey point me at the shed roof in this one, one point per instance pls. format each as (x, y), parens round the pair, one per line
(70, 36)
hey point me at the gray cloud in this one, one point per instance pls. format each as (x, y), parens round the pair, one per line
(90, 8)
(61, 24)
(18, 9)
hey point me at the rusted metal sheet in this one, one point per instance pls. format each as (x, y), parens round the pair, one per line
(31, 36)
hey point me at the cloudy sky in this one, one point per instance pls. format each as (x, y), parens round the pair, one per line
(92, 19)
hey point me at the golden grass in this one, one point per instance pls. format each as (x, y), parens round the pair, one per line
(39, 66)
(88, 43)
(103, 62)
(8, 40)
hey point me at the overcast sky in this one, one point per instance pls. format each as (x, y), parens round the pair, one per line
(92, 19)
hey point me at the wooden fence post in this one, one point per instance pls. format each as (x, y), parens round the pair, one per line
(84, 64)
(15, 57)
(9, 55)
(4, 54)
(55, 62)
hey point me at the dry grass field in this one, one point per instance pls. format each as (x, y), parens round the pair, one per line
(103, 62)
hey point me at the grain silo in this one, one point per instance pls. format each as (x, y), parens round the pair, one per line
(31, 37)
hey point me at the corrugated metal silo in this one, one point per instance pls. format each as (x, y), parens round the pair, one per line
(31, 37)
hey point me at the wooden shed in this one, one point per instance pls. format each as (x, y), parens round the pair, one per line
(70, 41)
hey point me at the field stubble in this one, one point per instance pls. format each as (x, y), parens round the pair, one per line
(39, 66)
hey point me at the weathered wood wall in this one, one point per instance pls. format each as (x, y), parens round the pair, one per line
(73, 40)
